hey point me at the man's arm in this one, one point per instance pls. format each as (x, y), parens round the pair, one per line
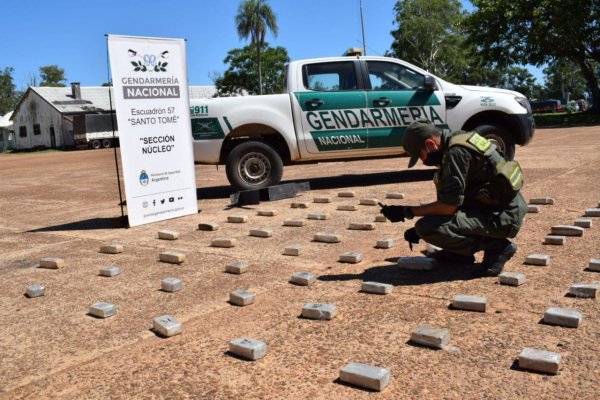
(400, 213)
(450, 194)
(435, 208)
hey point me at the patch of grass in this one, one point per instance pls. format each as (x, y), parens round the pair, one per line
(561, 120)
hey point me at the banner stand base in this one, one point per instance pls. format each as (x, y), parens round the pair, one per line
(124, 222)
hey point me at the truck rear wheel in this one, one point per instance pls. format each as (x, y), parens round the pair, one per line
(500, 137)
(253, 165)
(95, 144)
(106, 143)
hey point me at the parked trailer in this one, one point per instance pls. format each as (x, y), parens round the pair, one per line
(97, 140)
(95, 131)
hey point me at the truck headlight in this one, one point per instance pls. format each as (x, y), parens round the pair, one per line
(524, 103)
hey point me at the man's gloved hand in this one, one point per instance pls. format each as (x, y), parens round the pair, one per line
(394, 213)
(412, 237)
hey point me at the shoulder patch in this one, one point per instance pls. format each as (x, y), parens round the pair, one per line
(480, 142)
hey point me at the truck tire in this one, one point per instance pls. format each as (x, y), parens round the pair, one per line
(253, 165)
(95, 144)
(500, 137)
(106, 143)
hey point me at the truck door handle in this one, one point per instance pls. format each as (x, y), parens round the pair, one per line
(382, 101)
(314, 102)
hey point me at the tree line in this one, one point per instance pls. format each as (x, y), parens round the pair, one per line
(486, 47)
(50, 75)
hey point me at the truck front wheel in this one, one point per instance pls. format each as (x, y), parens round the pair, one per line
(253, 165)
(500, 137)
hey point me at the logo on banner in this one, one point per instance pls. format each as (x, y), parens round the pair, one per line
(144, 178)
(149, 62)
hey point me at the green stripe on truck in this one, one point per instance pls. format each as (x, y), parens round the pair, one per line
(227, 123)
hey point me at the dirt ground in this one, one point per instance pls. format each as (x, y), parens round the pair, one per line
(66, 205)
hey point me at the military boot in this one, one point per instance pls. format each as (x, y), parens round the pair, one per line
(496, 253)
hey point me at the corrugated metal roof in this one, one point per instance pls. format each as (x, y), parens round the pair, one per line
(5, 120)
(95, 98)
(62, 99)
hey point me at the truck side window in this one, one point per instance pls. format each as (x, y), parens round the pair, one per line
(329, 77)
(391, 76)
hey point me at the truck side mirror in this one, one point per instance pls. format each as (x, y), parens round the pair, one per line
(429, 84)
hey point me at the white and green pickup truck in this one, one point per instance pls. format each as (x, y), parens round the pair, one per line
(345, 108)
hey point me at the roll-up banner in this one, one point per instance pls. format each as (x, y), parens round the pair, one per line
(150, 90)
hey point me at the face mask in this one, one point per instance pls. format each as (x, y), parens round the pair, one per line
(433, 159)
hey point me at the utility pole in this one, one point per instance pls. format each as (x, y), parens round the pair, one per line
(362, 27)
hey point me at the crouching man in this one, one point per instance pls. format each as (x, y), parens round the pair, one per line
(478, 205)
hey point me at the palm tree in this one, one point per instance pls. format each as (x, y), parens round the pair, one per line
(253, 19)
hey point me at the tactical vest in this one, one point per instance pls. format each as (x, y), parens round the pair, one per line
(507, 179)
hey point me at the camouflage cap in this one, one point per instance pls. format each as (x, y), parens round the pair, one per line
(415, 136)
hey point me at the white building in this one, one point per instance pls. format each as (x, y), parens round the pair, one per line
(52, 117)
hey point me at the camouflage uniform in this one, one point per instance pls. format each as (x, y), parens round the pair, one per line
(462, 174)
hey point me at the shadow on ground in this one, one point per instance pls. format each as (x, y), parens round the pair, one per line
(218, 192)
(86, 225)
(392, 274)
(379, 178)
(335, 182)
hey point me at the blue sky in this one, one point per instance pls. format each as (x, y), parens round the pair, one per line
(70, 33)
